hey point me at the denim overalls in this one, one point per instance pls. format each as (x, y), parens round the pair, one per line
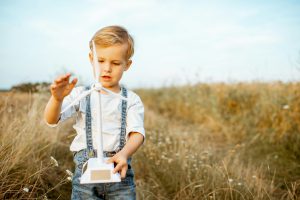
(120, 190)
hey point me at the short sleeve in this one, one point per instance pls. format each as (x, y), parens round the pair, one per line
(67, 101)
(135, 117)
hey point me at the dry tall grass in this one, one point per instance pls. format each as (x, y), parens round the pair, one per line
(27, 145)
(216, 141)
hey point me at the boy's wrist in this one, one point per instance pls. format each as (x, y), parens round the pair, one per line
(58, 101)
(124, 153)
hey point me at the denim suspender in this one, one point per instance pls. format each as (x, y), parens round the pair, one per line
(123, 119)
(88, 126)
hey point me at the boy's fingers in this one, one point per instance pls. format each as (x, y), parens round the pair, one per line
(62, 84)
(58, 80)
(67, 76)
(62, 78)
(73, 83)
(110, 160)
(118, 168)
(123, 172)
(65, 82)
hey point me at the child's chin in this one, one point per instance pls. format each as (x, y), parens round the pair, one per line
(107, 85)
(104, 83)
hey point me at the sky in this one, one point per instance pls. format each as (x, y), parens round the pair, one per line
(176, 42)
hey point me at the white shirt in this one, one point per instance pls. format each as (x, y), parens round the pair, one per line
(111, 118)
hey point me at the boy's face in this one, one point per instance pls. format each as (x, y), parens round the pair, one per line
(113, 63)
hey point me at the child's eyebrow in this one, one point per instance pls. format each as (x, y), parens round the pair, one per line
(115, 60)
(112, 60)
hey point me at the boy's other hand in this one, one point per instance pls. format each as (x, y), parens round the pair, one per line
(121, 161)
(61, 87)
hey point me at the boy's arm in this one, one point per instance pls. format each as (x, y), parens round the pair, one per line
(59, 89)
(52, 111)
(135, 140)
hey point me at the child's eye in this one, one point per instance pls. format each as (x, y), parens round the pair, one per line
(116, 63)
(100, 61)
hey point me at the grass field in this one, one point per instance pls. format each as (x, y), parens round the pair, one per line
(205, 141)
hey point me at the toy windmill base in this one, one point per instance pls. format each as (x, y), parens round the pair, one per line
(96, 170)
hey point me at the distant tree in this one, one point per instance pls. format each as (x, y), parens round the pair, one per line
(31, 87)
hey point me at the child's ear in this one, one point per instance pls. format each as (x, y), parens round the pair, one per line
(128, 64)
(91, 57)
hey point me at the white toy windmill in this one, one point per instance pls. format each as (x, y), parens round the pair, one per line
(96, 170)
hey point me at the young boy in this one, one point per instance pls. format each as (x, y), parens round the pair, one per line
(123, 127)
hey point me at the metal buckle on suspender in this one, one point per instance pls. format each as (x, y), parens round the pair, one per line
(91, 154)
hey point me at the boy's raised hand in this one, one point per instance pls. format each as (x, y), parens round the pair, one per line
(61, 87)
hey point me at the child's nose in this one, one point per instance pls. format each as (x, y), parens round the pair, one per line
(106, 67)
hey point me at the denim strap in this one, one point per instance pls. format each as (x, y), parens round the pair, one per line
(123, 119)
(88, 126)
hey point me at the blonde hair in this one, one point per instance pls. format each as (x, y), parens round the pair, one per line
(112, 35)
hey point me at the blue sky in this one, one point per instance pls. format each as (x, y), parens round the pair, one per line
(176, 41)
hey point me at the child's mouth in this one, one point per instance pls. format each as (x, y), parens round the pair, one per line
(106, 78)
